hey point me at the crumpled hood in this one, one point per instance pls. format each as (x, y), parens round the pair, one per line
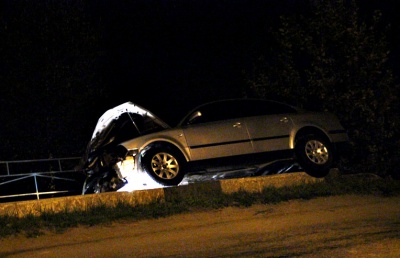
(128, 107)
(118, 124)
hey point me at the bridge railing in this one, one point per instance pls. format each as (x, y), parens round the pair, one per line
(40, 178)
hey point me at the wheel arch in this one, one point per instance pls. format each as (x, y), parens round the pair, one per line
(310, 130)
(164, 144)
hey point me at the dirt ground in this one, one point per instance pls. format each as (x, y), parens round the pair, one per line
(341, 226)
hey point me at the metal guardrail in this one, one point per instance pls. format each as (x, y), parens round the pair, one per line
(32, 179)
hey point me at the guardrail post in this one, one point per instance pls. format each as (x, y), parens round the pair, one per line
(36, 186)
(59, 165)
(8, 169)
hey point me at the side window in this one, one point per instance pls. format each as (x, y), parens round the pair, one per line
(259, 108)
(216, 112)
(225, 110)
(280, 108)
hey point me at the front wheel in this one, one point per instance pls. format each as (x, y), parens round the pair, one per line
(164, 165)
(314, 154)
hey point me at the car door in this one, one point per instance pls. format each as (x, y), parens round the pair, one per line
(218, 139)
(217, 133)
(269, 125)
(270, 132)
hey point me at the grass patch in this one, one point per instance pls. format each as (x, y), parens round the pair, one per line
(200, 199)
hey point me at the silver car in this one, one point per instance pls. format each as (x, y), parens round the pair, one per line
(230, 131)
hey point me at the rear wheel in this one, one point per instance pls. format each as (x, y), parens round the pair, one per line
(164, 165)
(314, 154)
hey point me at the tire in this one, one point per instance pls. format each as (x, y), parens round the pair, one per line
(100, 183)
(314, 154)
(93, 185)
(164, 165)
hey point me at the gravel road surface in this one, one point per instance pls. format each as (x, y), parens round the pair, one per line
(340, 226)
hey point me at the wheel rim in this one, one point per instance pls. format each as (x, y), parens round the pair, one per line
(164, 165)
(317, 152)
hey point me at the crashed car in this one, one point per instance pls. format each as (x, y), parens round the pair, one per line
(213, 134)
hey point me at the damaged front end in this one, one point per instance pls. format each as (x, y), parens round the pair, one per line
(105, 158)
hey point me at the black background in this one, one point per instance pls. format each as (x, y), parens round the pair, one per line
(64, 63)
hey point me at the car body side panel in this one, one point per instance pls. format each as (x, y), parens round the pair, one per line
(218, 139)
(269, 133)
(239, 136)
(171, 136)
(325, 122)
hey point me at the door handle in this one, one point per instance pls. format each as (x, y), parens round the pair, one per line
(284, 120)
(237, 125)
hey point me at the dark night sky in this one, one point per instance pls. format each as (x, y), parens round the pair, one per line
(181, 53)
(185, 50)
(163, 55)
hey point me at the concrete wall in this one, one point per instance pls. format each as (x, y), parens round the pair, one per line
(82, 202)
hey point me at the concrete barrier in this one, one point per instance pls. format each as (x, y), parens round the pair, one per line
(82, 202)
